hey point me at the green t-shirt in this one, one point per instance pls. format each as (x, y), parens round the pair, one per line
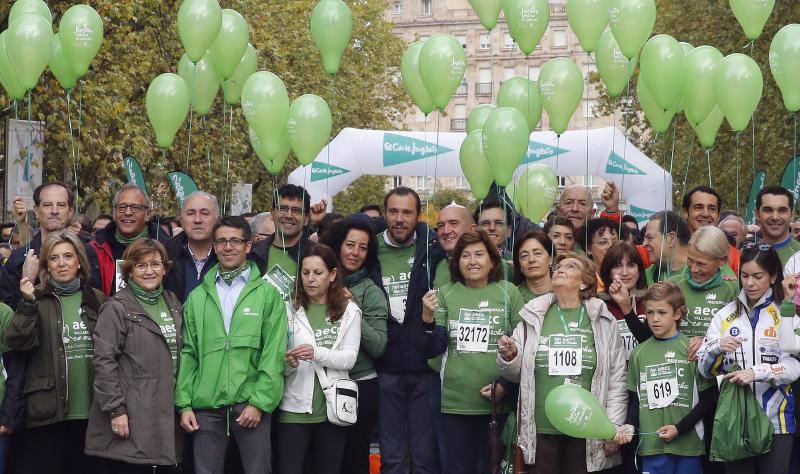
(281, 271)
(666, 273)
(563, 356)
(526, 292)
(475, 319)
(396, 263)
(325, 334)
(79, 350)
(786, 250)
(661, 370)
(161, 315)
(442, 273)
(702, 305)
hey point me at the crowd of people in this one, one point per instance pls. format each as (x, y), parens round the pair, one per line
(297, 341)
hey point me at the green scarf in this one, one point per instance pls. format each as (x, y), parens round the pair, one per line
(129, 240)
(355, 277)
(228, 277)
(714, 282)
(148, 297)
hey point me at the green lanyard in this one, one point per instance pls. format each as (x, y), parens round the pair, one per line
(564, 321)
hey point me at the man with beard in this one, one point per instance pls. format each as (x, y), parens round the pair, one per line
(191, 251)
(666, 241)
(409, 256)
(774, 205)
(54, 206)
(131, 217)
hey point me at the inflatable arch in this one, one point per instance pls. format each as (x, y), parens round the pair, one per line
(647, 187)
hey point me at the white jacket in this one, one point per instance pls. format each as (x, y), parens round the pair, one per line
(299, 388)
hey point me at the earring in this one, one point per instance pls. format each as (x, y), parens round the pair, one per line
(582, 288)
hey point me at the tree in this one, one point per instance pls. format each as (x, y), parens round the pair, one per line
(364, 190)
(141, 41)
(444, 197)
(734, 159)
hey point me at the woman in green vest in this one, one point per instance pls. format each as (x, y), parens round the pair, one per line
(53, 324)
(357, 248)
(533, 257)
(466, 318)
(702, 283)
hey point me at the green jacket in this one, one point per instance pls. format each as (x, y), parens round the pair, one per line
(374, 315)
(246, 365)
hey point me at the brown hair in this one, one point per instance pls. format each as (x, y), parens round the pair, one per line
(588, 274)
(668, 292)
(337, 298)
(476, 237)
(137, 251)
(614, 255)
(65, 236)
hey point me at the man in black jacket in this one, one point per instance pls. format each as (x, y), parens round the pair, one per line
(408, 253)
(190, 251)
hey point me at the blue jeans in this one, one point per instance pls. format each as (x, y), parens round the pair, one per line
(671, 464)
(406, 423)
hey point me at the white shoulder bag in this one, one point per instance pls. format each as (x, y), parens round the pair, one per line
(341, 397)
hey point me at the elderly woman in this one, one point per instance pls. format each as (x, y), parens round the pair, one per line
(136, 340)
(53, 324)
(533, 256)
(570, 321)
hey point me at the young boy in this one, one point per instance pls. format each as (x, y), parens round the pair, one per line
(667, 398)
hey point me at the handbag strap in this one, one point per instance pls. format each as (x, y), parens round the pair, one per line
(322, 376)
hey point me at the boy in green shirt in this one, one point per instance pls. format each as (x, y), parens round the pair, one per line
(667, 398)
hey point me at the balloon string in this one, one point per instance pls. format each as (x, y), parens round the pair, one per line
(158, 178)
(228, 161)
(794, 159)
(625, 134)
(668, 203)
(192, 101)
(208, 149)
(708, 160)
(72, 143)
(738, 207)
(753, 157)
(80, 125)
(224, 188)
(588, 95)
(688, 162)
(491, 62)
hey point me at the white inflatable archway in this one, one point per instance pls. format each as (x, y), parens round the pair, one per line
(354, 152)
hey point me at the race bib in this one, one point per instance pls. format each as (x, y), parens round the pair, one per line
(661, 385)
(628, 341)
(398, 293)
(565, 355)
(119, 282)
(281, 280)
(473, 331)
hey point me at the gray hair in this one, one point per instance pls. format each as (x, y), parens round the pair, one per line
(209, 196)
(258, 220)
(128, 187)
(711, 241)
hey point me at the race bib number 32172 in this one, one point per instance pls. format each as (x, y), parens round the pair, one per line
(473, 331)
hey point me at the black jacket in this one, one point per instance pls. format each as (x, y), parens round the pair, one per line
(178, 253)
(407, 342)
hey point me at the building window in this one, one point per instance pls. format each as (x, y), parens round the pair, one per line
(533, 72)
(462, 89)
(397, 7)
(559, 39)
(427, 7)
(508, 73)
(463, 40)
(589, 108)
(460, 111)
(484, 41)
(508, 42)
(459, 121)
(461, 183)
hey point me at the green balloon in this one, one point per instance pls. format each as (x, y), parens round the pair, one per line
(227, 50)
(8, 76)
(707, 129)
(199, 22)
(698, 85)
(167, 104)
(442, 65)
(61, 67)
(527, 21)
(505, 141)
(632, 22)
(273, 164)
(310, 123)
(575, 412)
(474, 164)
(561, 87)
(738, 85)
(409, 71)
(477, 118)
(687, 48)
(246, 68)
(752, 15)
(614, 68)
(588, 19)
(81, 34)
(265, 103)
(661, 66)
(28, 43)
(202, 82)
(21, 7)
(488, 12)
(536, 191)
(331, 29)
(521, 93)
(659, 118)
(784, 61)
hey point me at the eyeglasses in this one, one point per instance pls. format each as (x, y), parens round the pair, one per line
(570, 266)
(142, 267)
(296, 211)
(488, 223)
(762, 247)
(135, 208)
(222, 243)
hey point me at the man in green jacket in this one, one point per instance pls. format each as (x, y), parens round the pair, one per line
(232, 362)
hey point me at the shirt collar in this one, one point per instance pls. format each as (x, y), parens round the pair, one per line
(244, 276)
(392, 245)
(783, 244)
